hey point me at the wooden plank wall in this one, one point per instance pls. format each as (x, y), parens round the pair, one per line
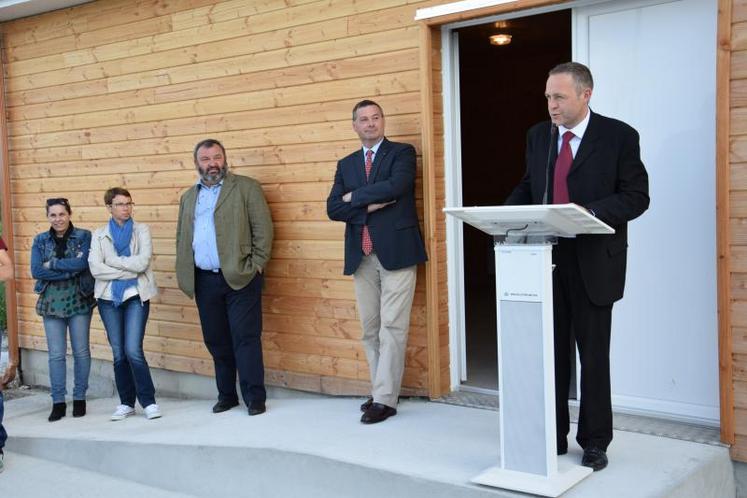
(117, 92)
(737, 204)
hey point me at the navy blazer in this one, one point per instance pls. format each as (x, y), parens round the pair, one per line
(606, 177)
(394, 229)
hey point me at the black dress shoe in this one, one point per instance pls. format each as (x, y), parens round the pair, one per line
(222, 406)
(595, 458)
(79, 407)
(562, 451)
(58, 411)
(377, 412)
(257, 408)
(365, 406)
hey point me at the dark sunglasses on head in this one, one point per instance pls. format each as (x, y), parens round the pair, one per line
(57, 200)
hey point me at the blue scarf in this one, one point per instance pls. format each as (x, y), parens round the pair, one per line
(121, 236)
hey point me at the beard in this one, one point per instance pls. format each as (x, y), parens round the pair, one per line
(213, 178)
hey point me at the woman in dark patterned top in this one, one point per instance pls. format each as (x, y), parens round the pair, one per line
(59, 263)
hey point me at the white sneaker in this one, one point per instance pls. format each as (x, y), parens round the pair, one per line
(122, 412)
(152, 411)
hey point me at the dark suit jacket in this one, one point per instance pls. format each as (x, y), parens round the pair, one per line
(394, 229)
(606, 177)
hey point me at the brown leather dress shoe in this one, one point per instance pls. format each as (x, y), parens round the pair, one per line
(377, 412)
(365, 406)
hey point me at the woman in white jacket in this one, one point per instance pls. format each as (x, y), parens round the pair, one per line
(120, 262)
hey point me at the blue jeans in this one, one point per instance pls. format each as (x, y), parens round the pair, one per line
(125, 329)
(3, 434)
(56, 330)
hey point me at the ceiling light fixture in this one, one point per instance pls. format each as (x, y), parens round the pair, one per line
(500, 39)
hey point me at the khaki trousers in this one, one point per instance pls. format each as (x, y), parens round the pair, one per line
(384, 302)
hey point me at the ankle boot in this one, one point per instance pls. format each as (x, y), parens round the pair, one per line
(58, 411)
(79, 407)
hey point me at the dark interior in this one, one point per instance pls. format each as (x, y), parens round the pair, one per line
(502, 95)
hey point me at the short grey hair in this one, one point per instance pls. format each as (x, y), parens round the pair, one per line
(366, 103)
(581, 74)
(208, 142)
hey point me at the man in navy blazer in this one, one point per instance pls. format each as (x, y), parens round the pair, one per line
(374, 194)
(605, 175)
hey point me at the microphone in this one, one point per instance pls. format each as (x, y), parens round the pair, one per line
(553, 143)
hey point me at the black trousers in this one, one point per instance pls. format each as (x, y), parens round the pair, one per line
(232, 328)
(576, 317)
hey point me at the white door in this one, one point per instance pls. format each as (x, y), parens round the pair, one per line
(654, 66)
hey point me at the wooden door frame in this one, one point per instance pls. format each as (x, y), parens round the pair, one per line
(11, 303)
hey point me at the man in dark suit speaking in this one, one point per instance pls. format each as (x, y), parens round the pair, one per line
(593, 161)
(374, 194)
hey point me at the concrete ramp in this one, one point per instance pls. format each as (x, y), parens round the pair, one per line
(27, 476)
(318, 448)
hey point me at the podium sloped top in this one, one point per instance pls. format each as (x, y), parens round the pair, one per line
(562, 220)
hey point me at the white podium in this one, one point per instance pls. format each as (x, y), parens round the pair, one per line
(526, 363)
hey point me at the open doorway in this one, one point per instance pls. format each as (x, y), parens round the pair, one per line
(664, 354)
(501, 96)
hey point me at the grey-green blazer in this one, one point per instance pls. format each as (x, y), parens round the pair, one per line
(243, 231)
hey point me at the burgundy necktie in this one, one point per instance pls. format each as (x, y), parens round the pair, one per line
(367, 242)
(562, 167)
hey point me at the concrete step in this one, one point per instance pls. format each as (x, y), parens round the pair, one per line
(26, 477)
(318, 448)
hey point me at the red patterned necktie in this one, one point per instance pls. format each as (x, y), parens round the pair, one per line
(367, 242)
(562, 167)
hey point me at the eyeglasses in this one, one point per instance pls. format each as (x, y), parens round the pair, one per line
(57, 200)
(123, 204)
